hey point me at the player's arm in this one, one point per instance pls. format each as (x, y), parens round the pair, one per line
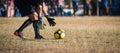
(49, 19)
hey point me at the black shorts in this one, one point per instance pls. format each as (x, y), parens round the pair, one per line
(26, 7)
(36, 2)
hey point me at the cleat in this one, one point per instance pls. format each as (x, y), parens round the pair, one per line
(19, 34)
(39, 37)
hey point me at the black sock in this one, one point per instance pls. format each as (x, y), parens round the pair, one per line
(24, 25)
(36, 29)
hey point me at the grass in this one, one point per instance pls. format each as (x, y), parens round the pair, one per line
(83, 35)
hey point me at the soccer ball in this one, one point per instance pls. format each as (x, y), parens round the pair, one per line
(59, 34)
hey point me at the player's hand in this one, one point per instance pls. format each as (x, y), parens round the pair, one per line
(51, 21)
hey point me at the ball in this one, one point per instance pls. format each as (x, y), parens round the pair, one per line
(59, 34)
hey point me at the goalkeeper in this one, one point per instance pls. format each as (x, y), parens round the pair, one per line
(27, 8)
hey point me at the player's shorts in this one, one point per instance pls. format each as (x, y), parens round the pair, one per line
(24, 7)
(36, 2)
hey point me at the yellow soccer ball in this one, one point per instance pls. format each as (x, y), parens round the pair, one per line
(59, 34)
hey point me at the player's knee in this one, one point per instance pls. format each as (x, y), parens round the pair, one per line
(33, 16)
(40, 7)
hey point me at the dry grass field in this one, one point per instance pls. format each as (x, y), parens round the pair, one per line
(83, 35)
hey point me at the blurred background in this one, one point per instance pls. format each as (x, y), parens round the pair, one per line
(68, 8)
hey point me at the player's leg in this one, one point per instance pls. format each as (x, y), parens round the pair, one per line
(18, 32)
(50, 20)
(34, 16)
(26, 10)
(36, 30)
(39, 10)
(44, 9)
